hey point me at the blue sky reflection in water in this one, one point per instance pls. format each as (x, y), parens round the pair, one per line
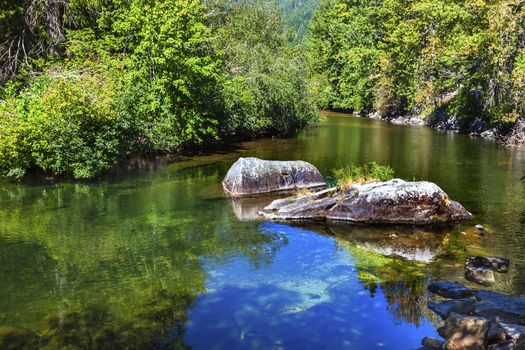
(309, 297)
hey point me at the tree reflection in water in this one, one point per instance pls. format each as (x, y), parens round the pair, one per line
(106, 266)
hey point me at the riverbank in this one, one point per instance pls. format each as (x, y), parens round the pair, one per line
(509, 134)
(476, 319)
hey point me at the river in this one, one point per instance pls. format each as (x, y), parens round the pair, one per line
(160, 258)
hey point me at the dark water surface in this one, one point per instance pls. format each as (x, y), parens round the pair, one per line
(161, 259)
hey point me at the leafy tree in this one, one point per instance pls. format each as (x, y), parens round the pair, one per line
(297, 15)
(345, 50)
(422, 57)
(145, 76)
(267, 86)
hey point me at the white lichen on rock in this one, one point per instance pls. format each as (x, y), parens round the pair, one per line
(252, 176)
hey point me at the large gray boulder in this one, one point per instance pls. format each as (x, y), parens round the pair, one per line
(249, 176)
(390, 202)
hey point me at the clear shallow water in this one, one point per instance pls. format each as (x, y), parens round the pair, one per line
(159, 258)
(309, 297)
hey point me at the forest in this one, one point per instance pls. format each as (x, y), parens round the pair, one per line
(424, 57)
(86, 84)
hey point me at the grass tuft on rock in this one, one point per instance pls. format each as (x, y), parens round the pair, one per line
(369, 172)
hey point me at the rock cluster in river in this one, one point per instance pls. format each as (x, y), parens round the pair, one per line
(477, 127)
(415, 121)
(249, 176)
(481, 270)
(477, 319)
(391, 202)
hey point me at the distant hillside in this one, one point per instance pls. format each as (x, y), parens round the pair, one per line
(297, 14)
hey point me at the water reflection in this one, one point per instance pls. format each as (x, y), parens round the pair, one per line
(163, 259)
(247, 208)
(112, 266)
(312, 296)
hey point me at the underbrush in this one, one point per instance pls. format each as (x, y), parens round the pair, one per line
(369, 172)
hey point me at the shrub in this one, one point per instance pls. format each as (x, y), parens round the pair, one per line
(369, 172)
(65, 123)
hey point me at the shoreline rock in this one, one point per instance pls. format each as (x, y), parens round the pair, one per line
(444, 308)
(490, 320)
(452, 290)
(464, 332)
(414, 121)
(250, 176)
(391, 202)
(515, 136)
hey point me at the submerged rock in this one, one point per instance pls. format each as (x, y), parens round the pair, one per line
(451, 290)
(479, 275)
(496, 264)
(481, 269)
(432, 343)
(249, 176)
(391, 202)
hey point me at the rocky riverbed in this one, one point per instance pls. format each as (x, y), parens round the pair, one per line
(476, 319)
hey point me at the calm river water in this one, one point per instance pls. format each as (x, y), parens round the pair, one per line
(159, 258)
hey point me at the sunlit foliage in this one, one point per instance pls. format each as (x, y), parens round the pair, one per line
(428, 58)
(120, 78)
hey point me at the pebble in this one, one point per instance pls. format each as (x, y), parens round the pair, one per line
(432, 343)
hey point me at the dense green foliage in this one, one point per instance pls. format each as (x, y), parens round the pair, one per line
(422, 57)
(95, 81)
(266, 88)
(119, 78)
(372, 171)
